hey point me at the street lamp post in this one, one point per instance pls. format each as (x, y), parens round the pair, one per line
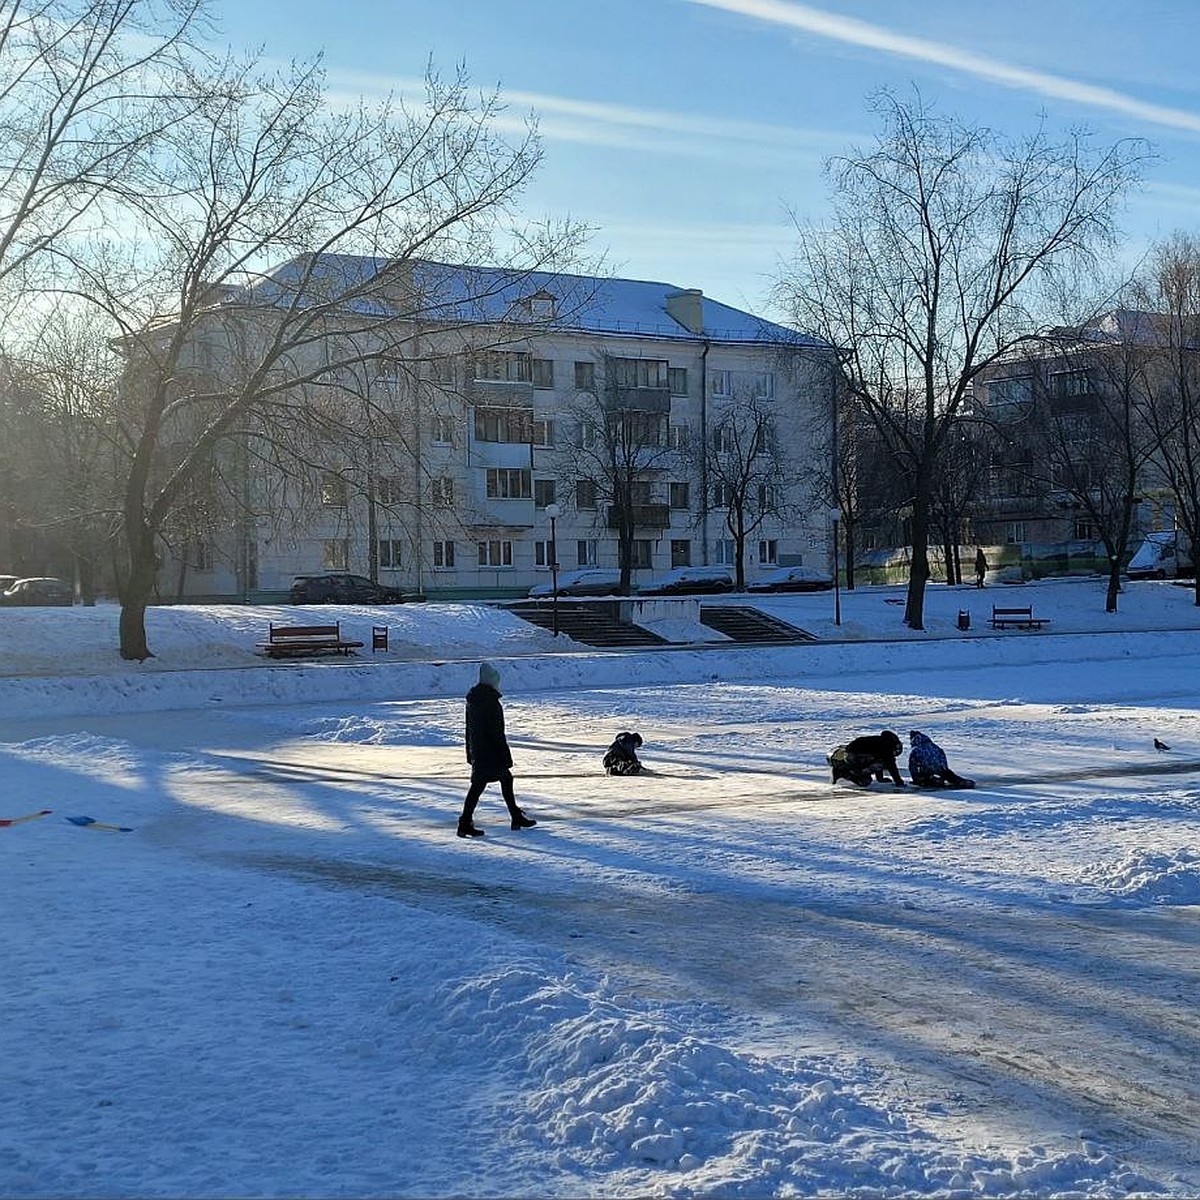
(553, 511)
(835, 517)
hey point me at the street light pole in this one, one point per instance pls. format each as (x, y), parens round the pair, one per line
(835, 517)
(552, 511)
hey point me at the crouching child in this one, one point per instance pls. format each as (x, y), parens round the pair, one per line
(867, 758)
(928, 766)
(621, 757)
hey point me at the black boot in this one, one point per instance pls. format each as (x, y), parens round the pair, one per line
(467, 828)
(521, 821)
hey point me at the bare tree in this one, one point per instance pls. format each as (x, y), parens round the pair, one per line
(229, 362)
(621, 445)
(1171, 289)
(947, 247)
(748, 471)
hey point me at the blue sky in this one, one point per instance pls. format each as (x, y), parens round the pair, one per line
(686, 130)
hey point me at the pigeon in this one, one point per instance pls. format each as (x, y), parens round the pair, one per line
(1160, 745)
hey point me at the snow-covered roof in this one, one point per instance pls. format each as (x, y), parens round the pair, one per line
(432, 291)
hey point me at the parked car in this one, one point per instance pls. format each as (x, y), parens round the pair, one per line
(792, 579)
(587, 581)
(1164, 555)
(40, 591)
(685, 581)
(335, 587)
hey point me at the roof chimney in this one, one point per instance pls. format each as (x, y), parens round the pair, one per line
(687, 307)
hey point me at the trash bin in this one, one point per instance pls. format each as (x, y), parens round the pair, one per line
(964, 619)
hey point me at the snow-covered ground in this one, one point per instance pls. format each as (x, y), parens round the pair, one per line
(724, 977)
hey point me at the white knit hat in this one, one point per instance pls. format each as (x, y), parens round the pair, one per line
(489, 675)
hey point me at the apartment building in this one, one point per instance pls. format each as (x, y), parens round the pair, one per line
(519, 420)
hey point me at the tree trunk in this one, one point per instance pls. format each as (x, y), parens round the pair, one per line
(914, 608)
(1114, 584)
(848, 553)
(136, 589)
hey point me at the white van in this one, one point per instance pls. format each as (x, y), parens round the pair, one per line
(1162, 555)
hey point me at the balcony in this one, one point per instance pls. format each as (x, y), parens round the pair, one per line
(497, 393)
(638, 399)
(645, 516)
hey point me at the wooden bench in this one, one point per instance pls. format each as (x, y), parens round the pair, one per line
(1016, 618)
(286, 640)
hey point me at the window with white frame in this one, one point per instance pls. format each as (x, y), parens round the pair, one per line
(1084, 531)
(725, 552)
(509, 483)
(768, 550)
(680, 495)
(388, 489)
(543, 553)
(543, 492)
(390, 551)
(586, 552)
(543, 372)
(679, 437)
(722, 495)
(504, 366)
(1014, 534)
(199, 554)
(333, 490)
(721, 383)
(681, 552)
(335, 554)
(723, 440)
(443, 430)
(766, 497)
(585, 493)
(543, 431)
(498, 552)
(760, 384)
(1070, 383)
(443, 555)
(585, 376)
(677, 381)
(442, 490)
(585, 435)
(642, 554)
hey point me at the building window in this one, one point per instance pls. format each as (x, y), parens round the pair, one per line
(680, 494)
(543, 432)
(722, 495)
(722, 383)
(725, 552)
(768, 551)
(509, 483)
(677, 381)
(681, 552)
(766, 497)
(1070, 383)
(639, 372)
(1085, 531)
(1012, 391)
(199, 554)
(443, 431)
(543, 553)
(586, 552)
(585, 493)
(443, 555)
(679, 437)
(642, 554)
(496, 553)
(723, 441)
(335, 554)
(441, 370)
(585, 376)
(543, 492)
(504, 366)
(543, 372)
(389, 554)
(1014, 534)
(388, 489)
(443, 491)
(761, 385)
(503, 425)
(333, 490)
(585, 435)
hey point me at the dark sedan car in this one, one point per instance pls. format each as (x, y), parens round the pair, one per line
(337, 588)
(792, 579)
(39, 591)
(689, 581)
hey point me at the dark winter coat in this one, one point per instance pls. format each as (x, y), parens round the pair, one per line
(926, 757)
(621, 758)
(487, 747)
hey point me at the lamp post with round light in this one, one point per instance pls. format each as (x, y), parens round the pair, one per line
(553, 512)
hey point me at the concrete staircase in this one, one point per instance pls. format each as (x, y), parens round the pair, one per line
(742, 624)
(595, 623)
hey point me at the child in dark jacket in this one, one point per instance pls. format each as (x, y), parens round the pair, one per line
(927, 764)
(621, 757)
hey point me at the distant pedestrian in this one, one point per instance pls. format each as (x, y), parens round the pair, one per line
(488, 753)
(621, 757)
(981, 566)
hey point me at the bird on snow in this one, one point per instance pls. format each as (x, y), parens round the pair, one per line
(1160, 745)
